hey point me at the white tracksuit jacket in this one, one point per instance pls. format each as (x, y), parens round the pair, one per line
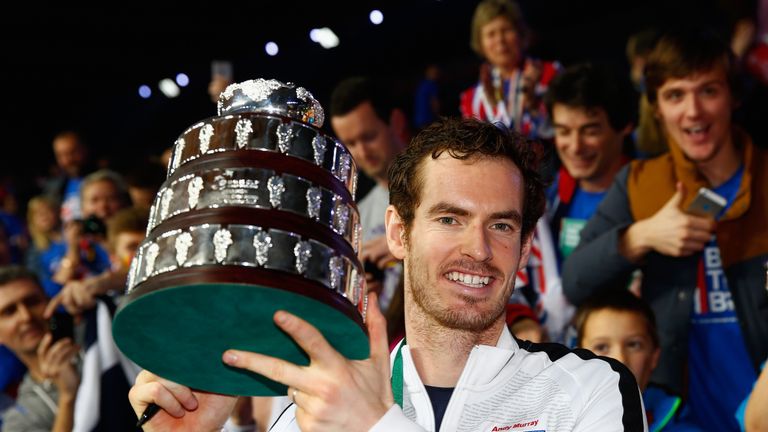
(521, 387)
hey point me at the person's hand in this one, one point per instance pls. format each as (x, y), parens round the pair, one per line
(670, 231)
(73, 231)
(332, 393)
(372, 284)
(76, 296)
(57, 364)
(377, 252)
(217, 85)
(182, 409)
(68, 266)
(531, 76)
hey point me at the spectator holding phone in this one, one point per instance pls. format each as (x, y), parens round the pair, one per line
(46, 397)
(704, 275)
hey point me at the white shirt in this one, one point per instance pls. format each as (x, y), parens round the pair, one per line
(537, 387)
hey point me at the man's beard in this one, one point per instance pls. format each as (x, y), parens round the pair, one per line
(463, 318)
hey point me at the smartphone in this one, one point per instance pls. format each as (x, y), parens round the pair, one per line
(221, 68)
(707, 204)
(61, 326)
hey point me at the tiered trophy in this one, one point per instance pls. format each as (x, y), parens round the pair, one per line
(256, 215)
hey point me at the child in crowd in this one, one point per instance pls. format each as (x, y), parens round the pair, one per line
(620, 325)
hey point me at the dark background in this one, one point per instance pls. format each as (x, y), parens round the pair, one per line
(72, 67)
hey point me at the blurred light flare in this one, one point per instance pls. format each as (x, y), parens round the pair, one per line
(169, 88)
(182, 79)
(144, 91)
(376, 17)
(325, 37)
(271, 48)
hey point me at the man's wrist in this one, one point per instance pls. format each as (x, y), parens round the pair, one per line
(632, 242)
(393, 419)
(102, 283)
(67, 398)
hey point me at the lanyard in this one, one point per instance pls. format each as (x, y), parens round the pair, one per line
(43, 395)
(515, 104)
(397, 375)
(509, 106)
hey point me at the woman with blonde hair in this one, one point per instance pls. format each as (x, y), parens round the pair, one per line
(44, 226)
(511, 85)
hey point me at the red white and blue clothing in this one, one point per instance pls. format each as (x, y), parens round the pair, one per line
(720, 372)
(507, 104)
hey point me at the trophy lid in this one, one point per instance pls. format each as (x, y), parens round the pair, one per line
(271, 97)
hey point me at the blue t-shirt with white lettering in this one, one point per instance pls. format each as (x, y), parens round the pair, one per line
(720, 372)
(583, 206)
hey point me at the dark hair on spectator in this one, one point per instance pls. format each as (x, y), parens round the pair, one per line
(352, 92)
(130, 219)
(147, 175)
(12, 273)
(591, 86)
(466, 139)
(620, 300)
(487, 11)
(641, 43)
(685, 53)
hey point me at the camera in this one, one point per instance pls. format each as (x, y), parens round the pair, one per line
(93, 225)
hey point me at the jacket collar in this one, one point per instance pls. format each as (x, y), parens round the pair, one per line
(483, 365)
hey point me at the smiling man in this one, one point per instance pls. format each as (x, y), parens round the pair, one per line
(593, 112)
(704, 277)
(465, 197)
(46, 398)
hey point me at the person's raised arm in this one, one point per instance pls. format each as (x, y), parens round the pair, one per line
(57, 366)
(670, 231)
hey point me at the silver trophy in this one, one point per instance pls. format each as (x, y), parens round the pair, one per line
(256, 215)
